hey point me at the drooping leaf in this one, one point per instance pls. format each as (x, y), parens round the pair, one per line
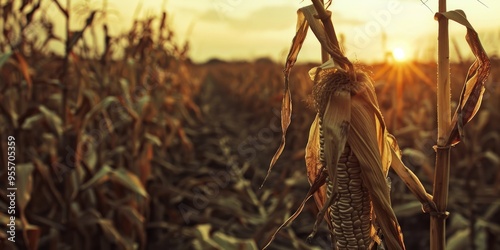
(286, 105)
(53, 120)
(129, 180)
(317, 187)
(121, 176)
(105, 103)
(35, 118)
(409, 178)
(25, 70)
(474, 87)
(24, 182)
(101, 176)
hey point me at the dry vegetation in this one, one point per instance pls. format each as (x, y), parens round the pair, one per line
(150, 151)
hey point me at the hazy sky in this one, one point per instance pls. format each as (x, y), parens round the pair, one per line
(246, 29)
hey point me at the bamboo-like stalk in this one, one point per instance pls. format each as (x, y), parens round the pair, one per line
(442, 168)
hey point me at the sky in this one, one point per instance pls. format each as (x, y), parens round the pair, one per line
(249, 29)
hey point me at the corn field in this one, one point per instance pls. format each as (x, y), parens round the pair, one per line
(134, 146)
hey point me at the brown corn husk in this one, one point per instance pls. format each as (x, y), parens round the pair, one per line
(367, 138)
(348, 114)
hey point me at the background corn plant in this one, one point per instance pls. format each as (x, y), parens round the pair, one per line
(155, 152)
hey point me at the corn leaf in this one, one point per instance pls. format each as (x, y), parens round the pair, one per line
(121, 176)
(317, 186)
(316, 177)
(129, 180)
(473, 90)
(101, 176)
(286, 106)
(25, 70)
(305, 17)
(409, 178)
(100, 107)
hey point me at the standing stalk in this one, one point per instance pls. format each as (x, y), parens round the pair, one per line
(442, 168)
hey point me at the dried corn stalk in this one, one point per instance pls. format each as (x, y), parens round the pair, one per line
(349, 151)
(450, 132)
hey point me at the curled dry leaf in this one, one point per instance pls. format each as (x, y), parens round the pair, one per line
(474, 86)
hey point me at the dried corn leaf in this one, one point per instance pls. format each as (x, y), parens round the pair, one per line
(122, 176)
(473, 90)
(24, 185)
(100, 107)
(129, 180)
(25, 70)
(53, 120)
(286, 105)
(306, 17)
(409, 178)
(99, 177)
(318, 185)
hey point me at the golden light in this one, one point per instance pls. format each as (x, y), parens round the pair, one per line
(399, 54)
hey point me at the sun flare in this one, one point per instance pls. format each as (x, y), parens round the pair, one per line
(399, 54)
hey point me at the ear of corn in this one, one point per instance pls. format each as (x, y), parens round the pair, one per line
(333, 131)
(367, 143)
(349, 151)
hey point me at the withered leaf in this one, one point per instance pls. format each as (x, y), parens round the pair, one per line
(474, 86)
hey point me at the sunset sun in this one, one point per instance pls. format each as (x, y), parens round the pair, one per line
(399, 54)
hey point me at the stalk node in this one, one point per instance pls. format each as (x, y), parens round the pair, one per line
(440, 215)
